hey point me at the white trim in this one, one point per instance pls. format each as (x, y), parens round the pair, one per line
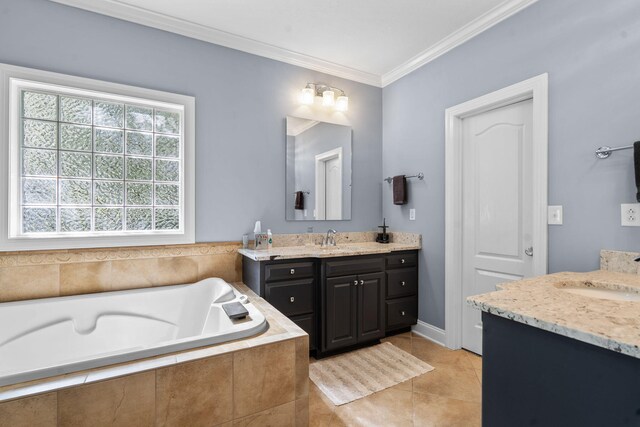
(455, 39)
(11, 79)
(430, 332)
(321, 180)
(536, 89)
(186, 28)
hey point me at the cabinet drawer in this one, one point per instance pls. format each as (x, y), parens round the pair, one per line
(353, 266)
(307, 323)
(402, 260)
(402, 312)
(293, 270)
(291, 298)
(402, 282)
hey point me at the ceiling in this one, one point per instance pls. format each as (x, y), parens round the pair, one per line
(371, 41)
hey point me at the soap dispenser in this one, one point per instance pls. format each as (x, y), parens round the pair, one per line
(269, 239)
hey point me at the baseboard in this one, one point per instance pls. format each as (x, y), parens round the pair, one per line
(430, 332)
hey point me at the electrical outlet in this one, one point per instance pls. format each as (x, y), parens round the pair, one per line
(630, 214)
(554, 215)
(412, 214)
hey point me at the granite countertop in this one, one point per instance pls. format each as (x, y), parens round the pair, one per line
(540, 302)
(316, 251)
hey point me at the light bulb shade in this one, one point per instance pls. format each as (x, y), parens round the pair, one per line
(328, 98)
(342, 103)
(306, 96)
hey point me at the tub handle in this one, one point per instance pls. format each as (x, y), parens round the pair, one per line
(292, 299)
(293, 271)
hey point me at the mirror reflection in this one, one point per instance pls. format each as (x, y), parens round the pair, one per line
(318, 170)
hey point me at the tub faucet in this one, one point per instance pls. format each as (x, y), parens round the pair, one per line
(330, 238)
(637, 259)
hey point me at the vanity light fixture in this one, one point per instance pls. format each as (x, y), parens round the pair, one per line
(328, 94)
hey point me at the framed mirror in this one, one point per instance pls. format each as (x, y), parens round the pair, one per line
(318, 170)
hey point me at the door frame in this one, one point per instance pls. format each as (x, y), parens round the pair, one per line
(536, 89)
(320, 165)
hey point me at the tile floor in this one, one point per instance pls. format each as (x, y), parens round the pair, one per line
(448, 396)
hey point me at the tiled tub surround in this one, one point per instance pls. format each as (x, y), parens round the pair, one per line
(291, 246)
(51, 336)
(540, 302)
(42, 274)
(261, 380)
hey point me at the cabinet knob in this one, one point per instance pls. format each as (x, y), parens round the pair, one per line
(293, 271)
(402, 313)
(402, 261)
(402, 283)
(292, 299)
(361, 282)
(355, 282)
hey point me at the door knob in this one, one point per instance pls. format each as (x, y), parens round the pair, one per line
(402, 261)
(293, 271)
(402, 283)
(355, 282)
(292, 299)
(529, 251)
(361, 282)
(402, 313)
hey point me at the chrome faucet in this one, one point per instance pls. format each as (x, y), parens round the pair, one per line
(637, 259)
(330, 238)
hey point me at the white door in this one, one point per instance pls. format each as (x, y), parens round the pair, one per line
(333, 188)
(497, 223)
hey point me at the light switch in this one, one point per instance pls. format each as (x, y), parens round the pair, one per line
(630, 214)
(412, 214)
(554, 215)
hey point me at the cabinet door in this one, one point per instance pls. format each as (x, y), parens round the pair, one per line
(371, 289)
(341, 312)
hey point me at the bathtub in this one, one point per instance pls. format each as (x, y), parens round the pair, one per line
(52, 336)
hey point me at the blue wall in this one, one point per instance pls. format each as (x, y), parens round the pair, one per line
(591, 50)
(241, 104)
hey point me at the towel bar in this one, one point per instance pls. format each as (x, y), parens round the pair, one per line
(420, 176)
(605, 152)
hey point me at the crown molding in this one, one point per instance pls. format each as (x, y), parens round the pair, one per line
(472, 29)
(193, 30)
(148, 18)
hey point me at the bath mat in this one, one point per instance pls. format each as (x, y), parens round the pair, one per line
(352, 376)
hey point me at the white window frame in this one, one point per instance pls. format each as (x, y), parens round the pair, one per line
(12, 80)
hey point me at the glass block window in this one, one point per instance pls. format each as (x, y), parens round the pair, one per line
(92, 164)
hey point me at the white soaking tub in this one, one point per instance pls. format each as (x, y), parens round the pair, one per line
(52, 336)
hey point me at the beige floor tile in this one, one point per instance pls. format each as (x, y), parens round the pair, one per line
(280, 416)
(403, 343)
(41, 410)
(439, 356)
(453, 382)
(197, 393)
(436, 411)
(390, 407)
(476, 361)
(122, 401)
(448, 396)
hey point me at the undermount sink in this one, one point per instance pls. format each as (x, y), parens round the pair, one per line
(599, 291)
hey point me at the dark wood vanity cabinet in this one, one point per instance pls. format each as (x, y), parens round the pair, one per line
(289, 286)
(401, 305)
(341, 302)
(351, 303)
